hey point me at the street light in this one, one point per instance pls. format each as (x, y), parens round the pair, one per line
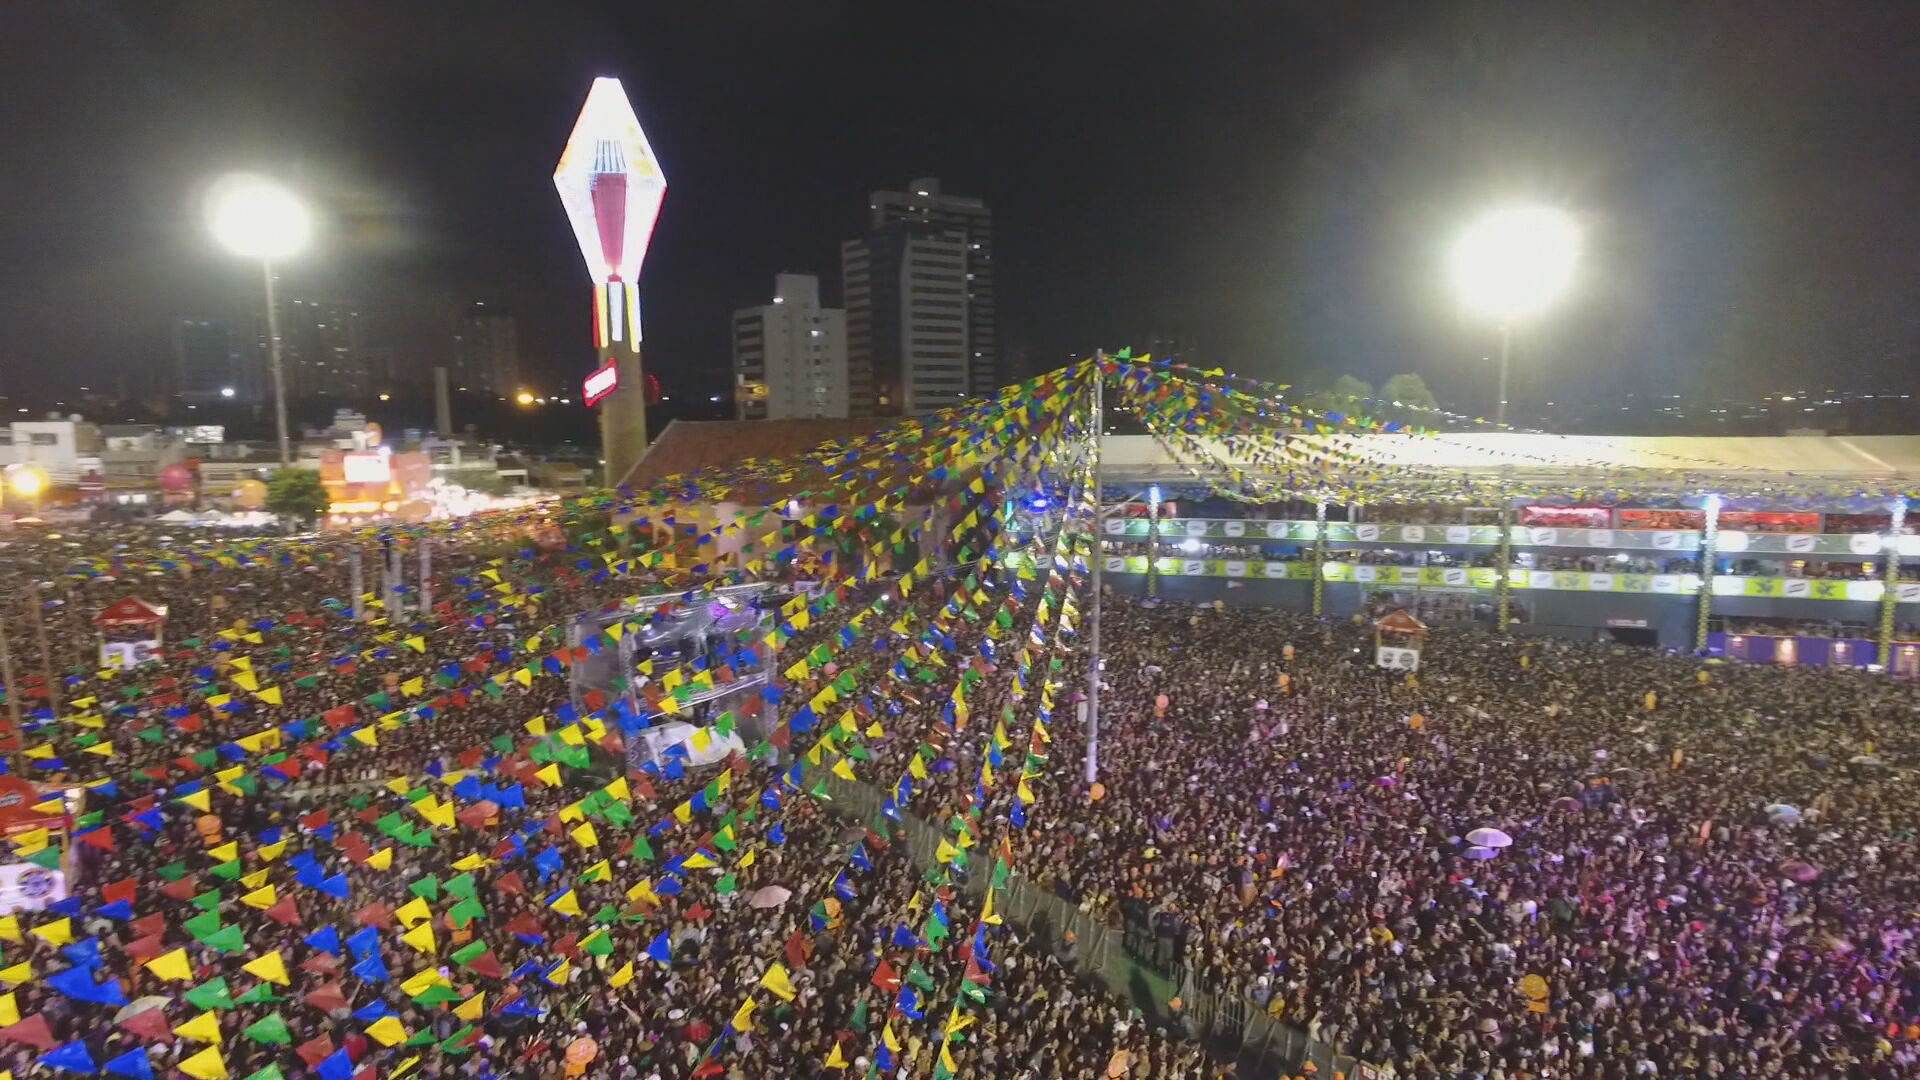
(1511, 264)
(255, 218)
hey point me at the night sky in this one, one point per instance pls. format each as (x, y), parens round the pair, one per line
(1273, 183)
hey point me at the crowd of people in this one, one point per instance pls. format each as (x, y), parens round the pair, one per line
(1711, 871)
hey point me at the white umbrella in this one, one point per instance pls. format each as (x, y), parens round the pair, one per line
(1783, 812)
(769, 896)
(1492, 838)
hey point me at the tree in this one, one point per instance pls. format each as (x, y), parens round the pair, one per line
(1409, 390)
(1347, 390)
(296, 493)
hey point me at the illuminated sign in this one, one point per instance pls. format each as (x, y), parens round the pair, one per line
(611, 185)
(599, 383)
(368, 467)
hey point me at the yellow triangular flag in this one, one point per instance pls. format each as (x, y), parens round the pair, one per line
(9, 1010)
(836, 1059)
(203, 1028)
(269, 967)
(172, 966)
(201, 800)
(270, 852)
(421, 938)
(271, 695)
(743, 1017)
(585, 836)
(206, 1065)
(420, 981)
(777, 980)
(566, 903)
(473, 1008)
(623, 976)
(559, 975)
(255, 879)
(387, 1030)
(845, 772)
(260, 899)
(550, 775)
(18, 973)
(618, 789)
(413, 911)
(382, 859)
(57, 932)
(10, 928)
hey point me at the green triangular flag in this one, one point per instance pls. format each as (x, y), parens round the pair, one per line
(271, 1072)
(465, 912)
(461, 887)
(423, 1037)
(152, 735)
(918, 976)
(597, 943)
(208, 901)
(436, 995)
(207, 759)
(452, 1043)
(726, 886)
(859, 1021)
(618, 814)
(427, 888)
(173, 871)
(227, 871)
(271, 1029)
(202, 925)
(47, 858)
(230, 940)
(642, 849)
(211, 994)
(606, 914)
(260, 995)
(468, 953)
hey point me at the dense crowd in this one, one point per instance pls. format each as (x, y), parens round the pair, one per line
(1712, 869)
(1294, 830)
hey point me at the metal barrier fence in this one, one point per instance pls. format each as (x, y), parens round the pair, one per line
(1227, 1024)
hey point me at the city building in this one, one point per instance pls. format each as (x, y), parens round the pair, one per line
(486, 351)
(790, 356)
(919, 291)
(322, 349)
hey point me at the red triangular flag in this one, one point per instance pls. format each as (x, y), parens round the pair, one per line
(487, 966)
(698, 913)
(320, 964)
(101, 838)
(799, 949)
(145, 948)
(315, 1051)
(510, 884)
(33, 1031)
(327, 999)
(148, 924)
(524, 923)
(184, 889)
(886, 978)
(124, 889)
(286, 912)
(149, 1024)
(376, 915)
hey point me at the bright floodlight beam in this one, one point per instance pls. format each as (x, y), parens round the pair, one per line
(255, 218)
(1512, 264)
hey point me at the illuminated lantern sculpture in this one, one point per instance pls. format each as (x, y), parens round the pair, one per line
(176, 479)
(250, 495)
(611, 186)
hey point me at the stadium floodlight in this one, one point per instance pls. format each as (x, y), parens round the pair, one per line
(1511, 264)
(255, 218)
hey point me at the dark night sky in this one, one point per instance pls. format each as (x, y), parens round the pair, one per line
(1272, 181)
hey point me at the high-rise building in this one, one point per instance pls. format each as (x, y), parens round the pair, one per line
(921, 331)
(208, 366)
(486, 350)
(321, 345)
(793, 348)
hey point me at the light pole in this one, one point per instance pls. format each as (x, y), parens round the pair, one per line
(255, 218)
(1510, 264)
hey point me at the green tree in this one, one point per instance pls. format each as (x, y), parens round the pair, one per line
(1409, 390)
(1346, 390)
(296, 493)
